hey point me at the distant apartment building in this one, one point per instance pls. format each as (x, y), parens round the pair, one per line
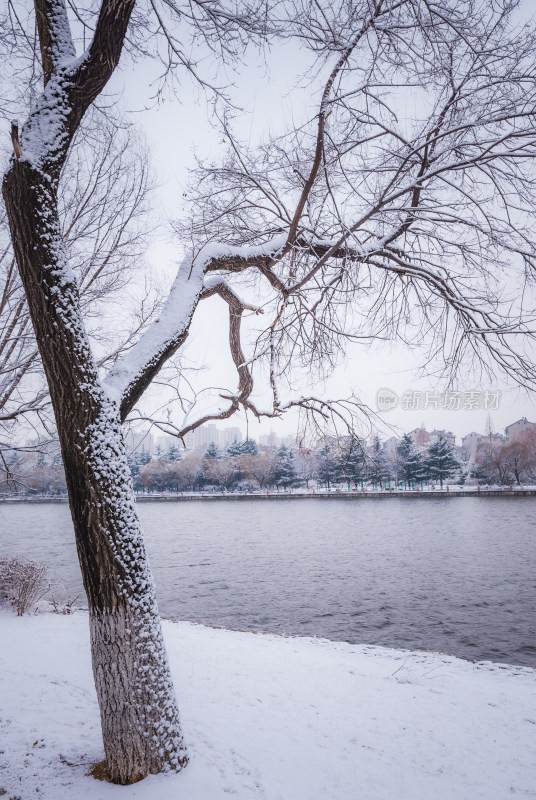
(139, 442)
(517, 428)
(448, 436)
(189, 440)
(420, 437)
(205, 435)
(271, 441)
(391, 444)
(201, 438)
(165, 442)
(471, 441)
(230, 435)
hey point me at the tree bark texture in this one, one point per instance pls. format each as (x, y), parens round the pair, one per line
(139, 714)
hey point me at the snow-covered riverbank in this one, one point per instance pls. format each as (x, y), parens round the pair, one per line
(273, 718)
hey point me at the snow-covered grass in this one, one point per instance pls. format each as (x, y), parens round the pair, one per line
(273, 718)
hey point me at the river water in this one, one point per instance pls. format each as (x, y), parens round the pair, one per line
(451, 575)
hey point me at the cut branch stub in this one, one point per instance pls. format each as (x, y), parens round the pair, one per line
(15, 139)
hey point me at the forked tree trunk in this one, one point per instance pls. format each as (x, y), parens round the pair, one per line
(139, 715)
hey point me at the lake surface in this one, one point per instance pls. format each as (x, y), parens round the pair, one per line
(453, 575)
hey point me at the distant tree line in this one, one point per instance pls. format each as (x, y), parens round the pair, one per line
(347, 462)
(331, 463)
(32, 473)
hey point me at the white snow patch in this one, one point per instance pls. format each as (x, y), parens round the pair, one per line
(273, 718)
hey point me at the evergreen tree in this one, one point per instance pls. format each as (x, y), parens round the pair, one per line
(409, 460)
(285, 470)
(234, 449)
(440, 462)
(351, 462)
(415, 468)
(327, 471)
(249, 447)
(212, 451)
(135, 461)
(173, 453)
(134, 469)
(57, 460)
(404, 449)
(378, 468)
(143, 457)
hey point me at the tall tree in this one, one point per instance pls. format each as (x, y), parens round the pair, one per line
(189, 471)
(212, 452)
(415, 468)
(173, 453)
(327, 466)
(306, 464)
(260, 468)
(235, 448)
(378, 467)
(157, 475)
(403, 449)
(222, 471)
(440, 462)
(285, 470)
(519, 455)
(409, 459)
(413, 219)
(352, 463)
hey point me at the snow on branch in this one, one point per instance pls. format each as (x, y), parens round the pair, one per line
(71, 83)
(132, 374)
(54, 35)
(219, 285)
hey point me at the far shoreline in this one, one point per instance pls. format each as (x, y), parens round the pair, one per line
(413, 494)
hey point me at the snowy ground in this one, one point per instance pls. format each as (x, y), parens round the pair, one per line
(273, 718)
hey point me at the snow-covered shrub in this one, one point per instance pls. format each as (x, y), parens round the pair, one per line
(22, 582)
(63, 599)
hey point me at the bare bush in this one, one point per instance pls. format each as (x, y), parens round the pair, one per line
(22, 582)
(63, 599)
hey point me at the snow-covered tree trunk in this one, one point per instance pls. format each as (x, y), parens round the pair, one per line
(140, 720)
